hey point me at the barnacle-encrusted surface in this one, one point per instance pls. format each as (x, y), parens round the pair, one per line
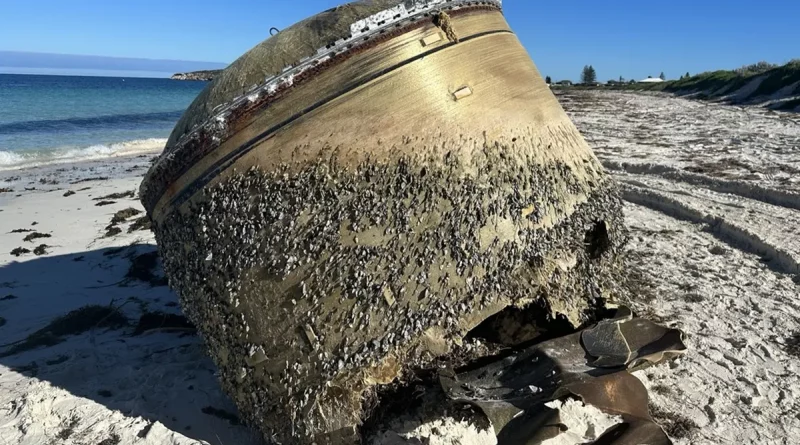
(312, 283)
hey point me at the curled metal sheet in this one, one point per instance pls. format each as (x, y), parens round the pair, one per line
(592, 365)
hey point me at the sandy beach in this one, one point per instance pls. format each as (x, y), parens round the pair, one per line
(94, 349)
(125, 370)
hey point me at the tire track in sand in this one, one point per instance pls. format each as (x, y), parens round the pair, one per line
(732, 233)
(787, 199)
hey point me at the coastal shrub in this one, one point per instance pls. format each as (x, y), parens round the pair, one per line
(755, 69)
(779, 78)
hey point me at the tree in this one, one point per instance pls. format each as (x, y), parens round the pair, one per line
(589, 75)
(662, 76)
(687, 75)
(621, 79)
(548, 80)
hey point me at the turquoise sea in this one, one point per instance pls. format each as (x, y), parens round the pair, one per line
(46, 119)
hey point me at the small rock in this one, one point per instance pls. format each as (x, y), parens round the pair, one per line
(718, 250)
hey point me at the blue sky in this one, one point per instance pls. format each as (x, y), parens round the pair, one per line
(626, 38)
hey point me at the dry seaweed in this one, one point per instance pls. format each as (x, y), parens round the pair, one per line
(96, 178)
(36, 235)
(675, 425)
(123, 215)
(121, 195)
(112, 231)
(141, 223)
(20, 251)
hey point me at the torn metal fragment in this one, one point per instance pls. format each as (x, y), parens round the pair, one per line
(565, 367)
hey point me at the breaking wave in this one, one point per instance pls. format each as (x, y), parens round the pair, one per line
(12, 160)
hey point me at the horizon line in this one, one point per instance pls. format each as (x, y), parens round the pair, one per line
(110, 57)
(78, 72)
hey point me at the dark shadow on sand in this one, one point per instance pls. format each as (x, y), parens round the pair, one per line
(137, 364)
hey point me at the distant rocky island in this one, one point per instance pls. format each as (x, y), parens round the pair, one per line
(196, 75)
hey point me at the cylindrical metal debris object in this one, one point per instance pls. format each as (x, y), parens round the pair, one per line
(351, 197)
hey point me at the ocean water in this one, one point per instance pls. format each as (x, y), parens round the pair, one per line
(49, 119)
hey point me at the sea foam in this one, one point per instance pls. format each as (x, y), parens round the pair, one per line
(12, 160)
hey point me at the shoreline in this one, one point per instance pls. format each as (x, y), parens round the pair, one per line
(92, 153)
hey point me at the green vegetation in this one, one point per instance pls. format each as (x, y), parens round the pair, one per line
(780, 77)
(717, 84)
(588, 75)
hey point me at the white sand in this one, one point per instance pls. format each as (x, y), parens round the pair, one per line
(584, 423)
(104, 385)
(446, 431)
(715, 244)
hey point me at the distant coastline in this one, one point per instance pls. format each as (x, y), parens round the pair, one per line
(196, 75)
(20, 62)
